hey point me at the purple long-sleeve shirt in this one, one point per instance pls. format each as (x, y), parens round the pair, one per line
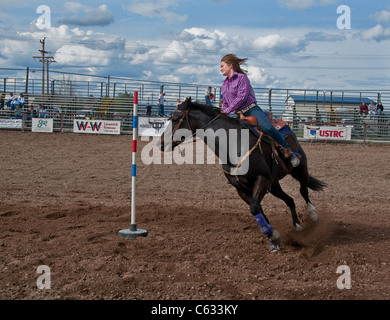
(237, 93)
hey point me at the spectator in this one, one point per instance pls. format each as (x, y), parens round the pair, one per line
(15, 103)
(148, 110)
(31, 113)
(178, 103)
(371, 109)
(18, 112)
(379, 108)
(1, 102)
(9, 99)
(21, 100)
(207, 95)
(363, 109)
(42, 112)
(161, 102)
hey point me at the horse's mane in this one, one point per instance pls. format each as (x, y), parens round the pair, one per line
(214, 111)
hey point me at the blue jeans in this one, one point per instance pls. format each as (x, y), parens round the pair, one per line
(266, 126)
(161, 111)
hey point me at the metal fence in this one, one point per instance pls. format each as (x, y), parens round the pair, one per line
(75, 96)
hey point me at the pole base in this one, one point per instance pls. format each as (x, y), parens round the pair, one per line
(132, 232)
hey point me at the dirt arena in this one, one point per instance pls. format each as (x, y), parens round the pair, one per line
(64, 197)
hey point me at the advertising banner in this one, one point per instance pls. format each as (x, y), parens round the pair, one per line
(11, 123)
(42, 125)
(151, 127)
(97, 126)
(327, 133)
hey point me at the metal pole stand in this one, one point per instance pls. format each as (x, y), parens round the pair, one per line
(133, 232)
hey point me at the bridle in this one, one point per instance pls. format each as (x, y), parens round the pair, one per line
(185, 115)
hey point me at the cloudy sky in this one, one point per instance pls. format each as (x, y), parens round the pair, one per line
(313, 44)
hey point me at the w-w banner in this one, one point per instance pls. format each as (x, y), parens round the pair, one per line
(96, 126)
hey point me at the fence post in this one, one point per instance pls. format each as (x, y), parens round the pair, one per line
(133, 232)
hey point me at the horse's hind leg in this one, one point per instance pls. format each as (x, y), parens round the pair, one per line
(260, 188)
(304, 178)
(305, 194)
(277, 191)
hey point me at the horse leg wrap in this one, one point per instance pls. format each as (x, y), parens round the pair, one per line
(265, 228)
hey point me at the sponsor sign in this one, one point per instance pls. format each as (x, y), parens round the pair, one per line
(151, 127)
(11, 123)
(42, 125)
(97, 126)
(327, 133)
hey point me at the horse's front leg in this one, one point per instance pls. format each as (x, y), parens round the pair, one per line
(260, 189)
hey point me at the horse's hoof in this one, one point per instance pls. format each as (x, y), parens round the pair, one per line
(314, 217)
(274, 237)
(313, 213)
(274, 247)
(298, 227)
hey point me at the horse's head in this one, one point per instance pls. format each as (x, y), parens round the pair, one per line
(173, 135)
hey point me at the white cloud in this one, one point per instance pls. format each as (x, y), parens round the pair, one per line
(81, 56)
(169, 78)
(195, 69)
(278, 43)
(257, 75)
(159, 9)
(382, 16)
(377, 33)
(90, 16)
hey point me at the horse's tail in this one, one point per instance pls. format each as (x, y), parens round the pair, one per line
(316, 184)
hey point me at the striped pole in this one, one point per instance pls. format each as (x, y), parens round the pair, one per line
(133, 232)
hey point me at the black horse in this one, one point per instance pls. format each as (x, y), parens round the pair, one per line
(253, 171)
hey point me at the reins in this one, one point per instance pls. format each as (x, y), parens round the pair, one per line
(185, 114)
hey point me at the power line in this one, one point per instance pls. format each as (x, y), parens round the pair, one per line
(46, 60)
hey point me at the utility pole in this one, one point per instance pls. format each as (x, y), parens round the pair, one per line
(45, 60)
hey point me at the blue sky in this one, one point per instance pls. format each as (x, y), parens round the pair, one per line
(289, 43)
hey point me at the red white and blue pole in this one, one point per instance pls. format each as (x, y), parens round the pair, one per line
(133, 232)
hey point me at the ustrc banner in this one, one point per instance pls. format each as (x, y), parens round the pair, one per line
(327, 133)
(97, 126)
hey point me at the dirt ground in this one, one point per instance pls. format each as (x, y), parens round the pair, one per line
(64, 197)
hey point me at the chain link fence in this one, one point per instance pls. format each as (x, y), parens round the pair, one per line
(75, 96)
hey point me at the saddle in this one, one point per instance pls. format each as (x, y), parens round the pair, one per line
(278, 124)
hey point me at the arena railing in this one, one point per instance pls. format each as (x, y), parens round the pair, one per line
(112, 98)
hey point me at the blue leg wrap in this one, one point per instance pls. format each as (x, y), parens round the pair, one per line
(265, 228)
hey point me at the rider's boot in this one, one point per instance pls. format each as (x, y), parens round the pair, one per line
(294, 159)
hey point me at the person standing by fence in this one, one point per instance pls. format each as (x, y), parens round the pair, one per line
(161, 102)
(148, 110)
